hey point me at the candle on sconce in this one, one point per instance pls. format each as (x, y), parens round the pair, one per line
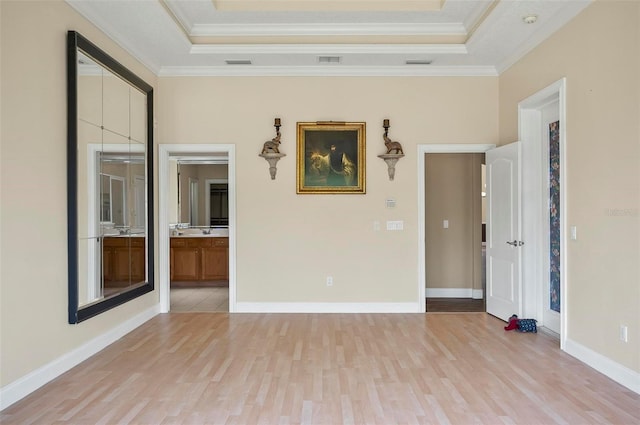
(277, 122)
(385, 123)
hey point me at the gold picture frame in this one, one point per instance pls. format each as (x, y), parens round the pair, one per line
(331, 157)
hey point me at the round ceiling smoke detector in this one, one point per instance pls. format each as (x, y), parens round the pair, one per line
(530, 19)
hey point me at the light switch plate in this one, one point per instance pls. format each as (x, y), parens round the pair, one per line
(395, 225)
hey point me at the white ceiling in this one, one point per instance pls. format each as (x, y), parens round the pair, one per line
(287, 37)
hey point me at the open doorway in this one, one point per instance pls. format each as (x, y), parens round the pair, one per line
(542, 129)
(198, 243)
(454, 236)
(197, 235)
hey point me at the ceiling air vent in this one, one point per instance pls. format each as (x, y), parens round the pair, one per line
(418, 62)
(329, 59)
(238, 62)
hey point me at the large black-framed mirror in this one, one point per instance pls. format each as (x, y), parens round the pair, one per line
(109, 181)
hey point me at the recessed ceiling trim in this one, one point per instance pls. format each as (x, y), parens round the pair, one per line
(327, 5)
(325, 29)
(178, 17)
(324, 71)
(157, 34)
(328, 49)
(481, 18)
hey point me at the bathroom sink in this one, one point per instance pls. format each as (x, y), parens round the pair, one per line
(201, 233)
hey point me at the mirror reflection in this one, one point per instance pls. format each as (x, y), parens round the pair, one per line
(112, 183)
(122, 204)
(198, 191)
(111, 122)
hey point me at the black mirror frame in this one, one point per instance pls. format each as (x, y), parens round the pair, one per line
(78, 314)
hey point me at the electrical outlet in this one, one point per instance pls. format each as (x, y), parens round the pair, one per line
(624, 333)
(329, 281)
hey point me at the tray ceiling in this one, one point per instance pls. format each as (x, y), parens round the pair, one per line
(328, 37)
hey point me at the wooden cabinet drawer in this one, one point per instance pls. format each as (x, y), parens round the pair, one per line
(185, 242)
(199, 242)
(220, 242)
(137, 241)
(178, 242)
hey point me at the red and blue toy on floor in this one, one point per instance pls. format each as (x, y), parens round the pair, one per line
(521, 325)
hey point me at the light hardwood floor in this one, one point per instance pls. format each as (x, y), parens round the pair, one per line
(221, 368)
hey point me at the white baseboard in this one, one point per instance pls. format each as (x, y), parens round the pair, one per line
(27, 384)
(619, 373)
(248, 307)
(454, 293)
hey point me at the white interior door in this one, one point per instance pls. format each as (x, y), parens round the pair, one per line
(504, 245)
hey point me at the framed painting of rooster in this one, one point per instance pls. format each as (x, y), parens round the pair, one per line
(331, 157)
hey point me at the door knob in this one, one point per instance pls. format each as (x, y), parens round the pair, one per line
(515, 243)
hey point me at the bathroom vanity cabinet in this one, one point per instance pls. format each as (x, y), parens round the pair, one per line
(123, 261)
(199, 259)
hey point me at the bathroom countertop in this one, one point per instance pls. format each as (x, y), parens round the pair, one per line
(215, 233)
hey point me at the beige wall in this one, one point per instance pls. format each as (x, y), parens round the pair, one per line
(599, 54)
(452, 192)
(287, 244)
(33, 270)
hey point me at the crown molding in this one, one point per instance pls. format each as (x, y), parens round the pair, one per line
(328, 71)
(321, 49)
(326, 29)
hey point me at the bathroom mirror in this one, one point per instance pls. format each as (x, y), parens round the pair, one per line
(199, 183)
(109, 181)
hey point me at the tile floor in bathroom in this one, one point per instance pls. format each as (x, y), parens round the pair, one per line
(207, 299)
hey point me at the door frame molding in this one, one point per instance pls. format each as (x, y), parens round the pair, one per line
(531, 135)
(164, 152)
(422, 150)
